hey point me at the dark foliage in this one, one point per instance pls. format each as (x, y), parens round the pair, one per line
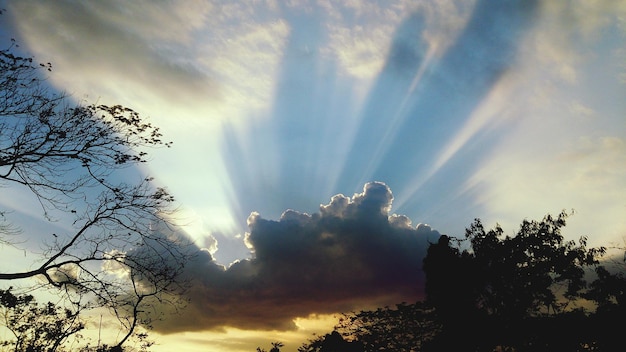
(522, 293)
(527, 292)
(35, 327)
(275, 347)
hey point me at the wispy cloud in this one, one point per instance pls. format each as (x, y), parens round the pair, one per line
(126, 42)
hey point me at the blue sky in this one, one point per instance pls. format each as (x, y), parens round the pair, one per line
(462, 108)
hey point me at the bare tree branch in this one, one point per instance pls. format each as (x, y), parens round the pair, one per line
(122, 249)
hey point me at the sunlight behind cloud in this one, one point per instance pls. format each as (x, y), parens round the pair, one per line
(563, 147)
(485, 119)
(237, 340)
(465, 108)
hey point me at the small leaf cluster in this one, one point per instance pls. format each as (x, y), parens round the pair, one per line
(37, 327)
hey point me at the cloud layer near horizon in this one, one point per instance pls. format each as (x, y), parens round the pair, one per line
(351, 254)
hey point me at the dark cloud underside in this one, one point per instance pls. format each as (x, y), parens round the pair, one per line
(350, 254)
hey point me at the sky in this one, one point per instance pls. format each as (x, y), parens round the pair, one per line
(318, 146)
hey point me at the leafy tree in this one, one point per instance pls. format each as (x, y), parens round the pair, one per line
(488, 292)
(120, 248)
(503, 291)
(332, 342)
(608, 290)
(40, 328)
(403, 328)
(275, 347)
(49, 327)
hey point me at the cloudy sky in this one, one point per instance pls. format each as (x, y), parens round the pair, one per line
(324, 143)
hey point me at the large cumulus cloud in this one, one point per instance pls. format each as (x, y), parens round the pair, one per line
(351, 254)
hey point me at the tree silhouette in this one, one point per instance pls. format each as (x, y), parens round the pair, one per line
(491, 292)
(608, 290)
(275, 347)
(404, 327)
(119, 248)
(48, 327)
(41, 328)
(504, 291)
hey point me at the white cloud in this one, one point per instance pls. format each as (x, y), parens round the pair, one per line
(114, 263)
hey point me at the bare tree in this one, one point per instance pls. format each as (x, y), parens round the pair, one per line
(120, 248)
